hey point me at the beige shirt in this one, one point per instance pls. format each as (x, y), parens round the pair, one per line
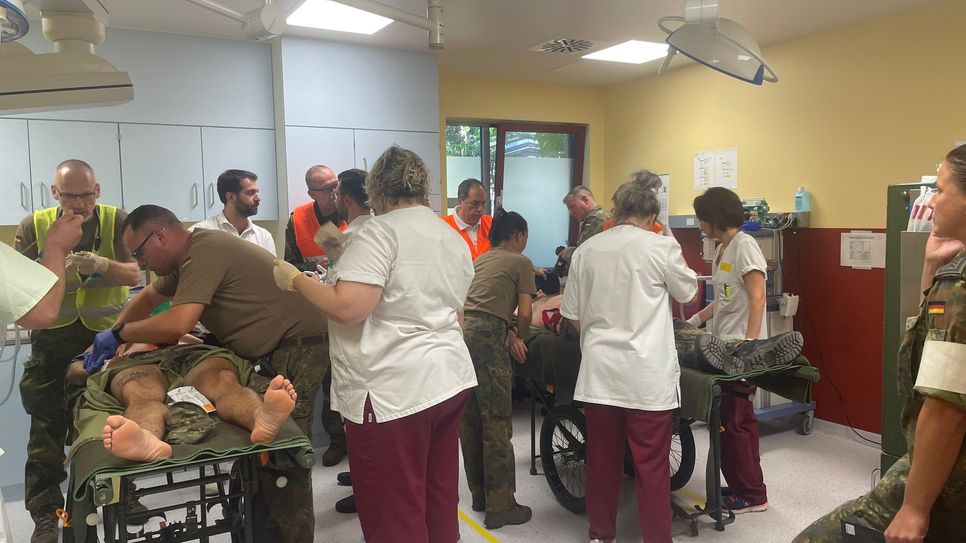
(243, 307)
(500, 276)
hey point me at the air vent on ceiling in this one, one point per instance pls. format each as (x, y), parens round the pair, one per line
(567, 45)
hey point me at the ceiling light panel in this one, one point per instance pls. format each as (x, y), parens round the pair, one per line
(631, 52)
(327, 15)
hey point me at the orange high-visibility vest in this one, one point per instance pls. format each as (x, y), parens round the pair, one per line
(482, 237)
(306, 224)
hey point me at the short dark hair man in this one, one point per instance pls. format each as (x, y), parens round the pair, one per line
(238, 190)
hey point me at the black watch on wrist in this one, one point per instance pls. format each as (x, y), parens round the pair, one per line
(116, 330)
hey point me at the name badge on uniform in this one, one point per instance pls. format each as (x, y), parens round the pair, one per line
(725, 266)
(937, 308)
(936, 334)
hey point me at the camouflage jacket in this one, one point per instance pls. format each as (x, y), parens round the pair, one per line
(592, 224)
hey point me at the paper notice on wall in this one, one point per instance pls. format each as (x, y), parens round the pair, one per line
(863, 250)
(703, 170)
(718, 168)
(726, 168)
(663, 197)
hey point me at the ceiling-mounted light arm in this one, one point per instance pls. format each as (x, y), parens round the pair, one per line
(694, 18)
(220, 9)
(433, 22)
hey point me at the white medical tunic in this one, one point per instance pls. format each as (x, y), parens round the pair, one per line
(741, 256)
(409, 354)
(619, 289)
(25, 283)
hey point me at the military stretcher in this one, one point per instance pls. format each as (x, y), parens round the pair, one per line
(551, 369)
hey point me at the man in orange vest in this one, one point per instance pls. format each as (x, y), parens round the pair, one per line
(302, 251)
(469, 219)
(300, 247)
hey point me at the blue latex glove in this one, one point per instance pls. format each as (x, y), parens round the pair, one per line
(105, 345)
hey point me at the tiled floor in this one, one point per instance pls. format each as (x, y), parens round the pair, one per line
(806, 477)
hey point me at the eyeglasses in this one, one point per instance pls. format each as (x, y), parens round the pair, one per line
(138, 253)
(84, 197)
(471, 205)
(327, 190)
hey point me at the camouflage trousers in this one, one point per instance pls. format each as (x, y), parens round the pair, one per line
(43, 393)
(287, 514)
(332, 420)
(487, 421)
(877, 509)
(689, 355)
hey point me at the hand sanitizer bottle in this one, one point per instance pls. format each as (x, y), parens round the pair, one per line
(801, 200)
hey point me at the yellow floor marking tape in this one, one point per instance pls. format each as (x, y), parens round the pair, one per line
(479, 529)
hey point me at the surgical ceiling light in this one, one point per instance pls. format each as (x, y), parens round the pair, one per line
(328, 15)
(716, 42)
(13, 20)
(630, 52)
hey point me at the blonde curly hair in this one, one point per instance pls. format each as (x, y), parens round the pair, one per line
(397, 177)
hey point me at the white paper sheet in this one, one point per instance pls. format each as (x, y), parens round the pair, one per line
(664, 196)
(703, 170)
(863, 250)
(726, 168)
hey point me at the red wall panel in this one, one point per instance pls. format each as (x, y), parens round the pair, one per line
(840, 315)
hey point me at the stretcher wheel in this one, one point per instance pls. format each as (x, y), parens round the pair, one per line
(681, 456)
(805, 423)
(563, 451)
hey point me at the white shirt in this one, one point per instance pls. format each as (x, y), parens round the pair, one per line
(408, 355)
(25, 283)
(472, 230)
(742, 255)
(253, 233)
(356, 224)
(618, 290)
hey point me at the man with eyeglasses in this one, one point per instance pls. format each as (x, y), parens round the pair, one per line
(305, 221)
(469, 219)
(99, 272)
(302, 250)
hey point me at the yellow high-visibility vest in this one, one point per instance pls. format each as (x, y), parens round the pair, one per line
(95, 301)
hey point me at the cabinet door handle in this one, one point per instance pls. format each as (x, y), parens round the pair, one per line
(364, 165)
(194, 195)
(43, 195)
(211, 195)
(23, 196)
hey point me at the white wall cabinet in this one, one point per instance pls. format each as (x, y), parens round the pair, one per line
(306, 147)
(52, 142)
(370, 144)
(240, 149)
(15, 165)
(162, 165)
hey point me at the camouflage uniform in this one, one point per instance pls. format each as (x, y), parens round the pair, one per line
(941, 318)
(43, 393)
(287, 514)
(592, 224)
(685, 342)
(487, 421)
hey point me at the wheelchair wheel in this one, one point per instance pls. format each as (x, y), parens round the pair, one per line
(563, 451)
(681, 455)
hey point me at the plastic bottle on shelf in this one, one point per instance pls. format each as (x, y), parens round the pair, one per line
(802, 203)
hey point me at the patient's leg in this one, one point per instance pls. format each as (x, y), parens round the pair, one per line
(137, 435)
(217, 379)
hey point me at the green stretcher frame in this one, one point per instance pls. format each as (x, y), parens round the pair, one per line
(554, 362)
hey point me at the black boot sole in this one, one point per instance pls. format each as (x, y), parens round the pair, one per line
(776, 351)
(712, 348)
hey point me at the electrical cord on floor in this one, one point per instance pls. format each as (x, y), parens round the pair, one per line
(821, 358)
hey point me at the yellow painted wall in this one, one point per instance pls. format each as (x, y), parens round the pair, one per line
(487, 99)
(857, 109)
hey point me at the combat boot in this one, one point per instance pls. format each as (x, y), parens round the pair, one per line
(517, 514)
(45, 530)
(334, 454)
(712, 350)
(759, 354)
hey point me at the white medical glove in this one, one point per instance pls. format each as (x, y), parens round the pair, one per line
(695, 321)
(89, 263)
(285, 275)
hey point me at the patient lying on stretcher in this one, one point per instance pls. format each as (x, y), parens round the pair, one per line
(696, 348)
(138, 379)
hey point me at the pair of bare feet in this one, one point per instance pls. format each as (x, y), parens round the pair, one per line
(126, 439)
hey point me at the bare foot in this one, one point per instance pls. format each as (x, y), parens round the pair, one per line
(278, 403)
(125, 439)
